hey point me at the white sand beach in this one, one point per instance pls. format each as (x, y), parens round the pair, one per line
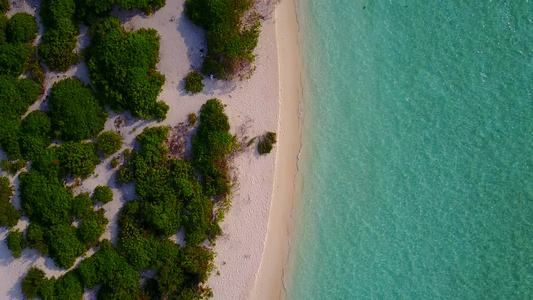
(254, 106)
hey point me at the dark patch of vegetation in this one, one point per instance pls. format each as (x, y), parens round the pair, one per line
(9, 216)
(3, 26)
(122, 66)
(193, 82)
(211, 147)
(14, 57)
(92, 227)
(4, 6)
(90, 11)
(68, 286)
(109, 142)
(35, 238)
(12, 167)
(114, 162)
(75, 112)
(22, 28)
(35, 134)
(61, 35)
(79, 159)
(32, 282)
(82, 205)
(64, 245)
(266, 143)
(230, 41)
(102, 194)
(15, 242)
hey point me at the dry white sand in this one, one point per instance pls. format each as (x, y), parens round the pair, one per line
(253, 107)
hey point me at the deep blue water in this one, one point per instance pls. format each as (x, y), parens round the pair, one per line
(418, 161)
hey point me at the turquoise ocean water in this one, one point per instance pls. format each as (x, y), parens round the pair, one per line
(418, 161)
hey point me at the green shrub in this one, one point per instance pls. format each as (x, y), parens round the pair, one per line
(35, 134)
(79, 159)
(35, 238)
(211, 146)
(193, 119)
(64, 245)
(230, 45)
(32, 282)
(3, 26)
(266, 143)
(109, 142)
(102, 194)
(14, 58)
(15, 242)
(22, 28)
(9, 216)
(82, 205)
(92, 227)
(4, 6)
(193, 82)
(12, 167)
(114, 162)
(68, 287)
(90, 11)
(75, 112)
(61, 35)
(122, 66)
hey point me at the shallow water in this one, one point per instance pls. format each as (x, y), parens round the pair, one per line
(418, 138)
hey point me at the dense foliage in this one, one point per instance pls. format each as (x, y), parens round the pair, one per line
(35, 134)
(15, 242)
(3, 26)
(90, 10)
(14, 57)
(109, 142)
(15, 98)
(211, 147)
(266, 143)
(193, 82)
(102, 194)
(122, 66)
(4, 6)
(68, 286)
(9, 215)
(230, 42)
(75, 112)
(12, 167)
(22, 28)
(79, 159)
(32, 282)
(61, 35)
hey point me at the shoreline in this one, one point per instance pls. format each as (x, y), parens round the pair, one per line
(269, 282)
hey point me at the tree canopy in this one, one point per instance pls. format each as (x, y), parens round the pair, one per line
(9, 215)
(75, 112)
(122, 66)
(109, 142)
(22, 28)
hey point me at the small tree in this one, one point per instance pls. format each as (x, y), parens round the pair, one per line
(31, 284)
(102, 194)
(193, 118)
(266, 143)
(193, 82)
(22, 28)
(109, 142)
(16, 242)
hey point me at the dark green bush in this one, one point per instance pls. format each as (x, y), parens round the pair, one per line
(22, 28)
(193, 119)
(114, 162)
(64, 245)
(109, 142)
(90, 11)
(68, 287)
(75, 112)
(211, 147)
(82, 205)
(12, 167)
(35, 238)
(32, 282)
(4, 6)
(122, 66)
(79, 159)
(230, 43)
(35, 134)
(102, 194)
(61, 35)
(3, 26)
(9, 216)
(193, 82)
(14, 58)
(15, 242)
(266, 143)
(92, 227)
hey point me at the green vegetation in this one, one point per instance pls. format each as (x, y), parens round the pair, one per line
(14, 57)
(22, 28)
(75, 112)
(90, 11)
(35, 238)
(3, 26)
(12, 167)
(9, 216)
(211, 147)
(35, 134)
(122, 66)
(15, 242)
(193, 119)
(114, 162)
(193, 82)
(68, 286)
(61, 35)
(79, 159)
(92, 227)
(109, 142)
(230, 40)
(102, 194)
(266, 143)
(4, 5)
(32, 282)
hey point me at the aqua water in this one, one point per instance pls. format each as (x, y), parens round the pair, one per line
(418, 151)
